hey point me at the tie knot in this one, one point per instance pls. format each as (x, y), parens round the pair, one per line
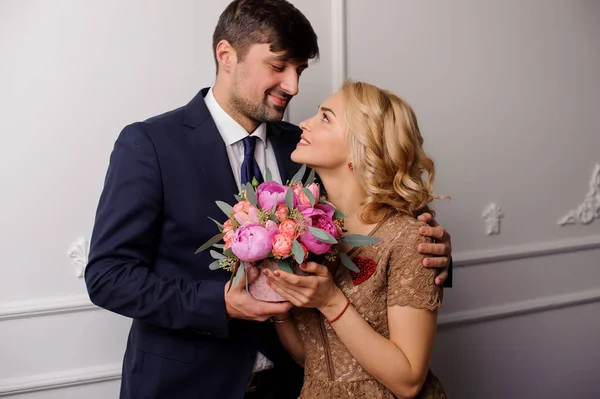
(249, 144)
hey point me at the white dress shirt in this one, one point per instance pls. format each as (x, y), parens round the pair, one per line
(233, 134)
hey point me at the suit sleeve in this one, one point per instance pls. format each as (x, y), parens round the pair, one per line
(448, 281)
(125, 237)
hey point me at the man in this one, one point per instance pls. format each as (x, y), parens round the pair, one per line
(190, 337)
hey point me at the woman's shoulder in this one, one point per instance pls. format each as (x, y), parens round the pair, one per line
(399, 225)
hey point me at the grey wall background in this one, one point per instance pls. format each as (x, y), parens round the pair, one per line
(506, 94)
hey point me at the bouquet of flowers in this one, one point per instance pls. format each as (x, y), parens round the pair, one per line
(278, 226)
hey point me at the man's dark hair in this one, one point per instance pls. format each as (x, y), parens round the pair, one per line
(274, 22)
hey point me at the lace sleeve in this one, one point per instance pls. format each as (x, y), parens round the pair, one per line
(409, 282)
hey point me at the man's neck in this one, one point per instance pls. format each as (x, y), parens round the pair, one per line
(222, 98)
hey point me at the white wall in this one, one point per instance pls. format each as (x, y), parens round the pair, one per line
(506, 94)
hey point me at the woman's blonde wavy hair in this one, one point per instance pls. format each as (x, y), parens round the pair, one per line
(387, 153)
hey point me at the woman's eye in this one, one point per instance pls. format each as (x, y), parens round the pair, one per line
(324, 118)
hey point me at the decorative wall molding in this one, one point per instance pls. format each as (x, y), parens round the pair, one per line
(45, 307)
(338, 43)
(492, 215)
(590, 208)
(60, 379)
(104, 373)
(518, 308)
(79, 252)
(79, 303)
(468, 258)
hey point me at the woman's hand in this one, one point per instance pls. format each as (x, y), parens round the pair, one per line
(316, 290)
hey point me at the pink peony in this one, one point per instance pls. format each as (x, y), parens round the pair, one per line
(270, 193)
(251, 242)
(318, 218)
(289, 228)
(281, 212)
(282, 245)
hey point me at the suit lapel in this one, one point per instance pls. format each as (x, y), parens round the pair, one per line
(209, 148)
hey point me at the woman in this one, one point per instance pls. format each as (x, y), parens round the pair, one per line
(369, 334)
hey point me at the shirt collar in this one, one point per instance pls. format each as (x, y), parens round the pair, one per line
(230, 130)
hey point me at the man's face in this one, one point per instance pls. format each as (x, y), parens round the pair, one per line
(263, 84)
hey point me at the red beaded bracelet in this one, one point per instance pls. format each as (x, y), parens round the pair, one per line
(341, 313)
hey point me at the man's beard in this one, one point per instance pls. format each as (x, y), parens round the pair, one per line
(262, 112)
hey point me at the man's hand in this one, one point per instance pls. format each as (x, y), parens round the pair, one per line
(440, 250)
(241, 305)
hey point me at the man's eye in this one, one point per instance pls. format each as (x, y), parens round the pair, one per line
(277, 68)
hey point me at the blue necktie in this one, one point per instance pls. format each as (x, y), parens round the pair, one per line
(250, 168)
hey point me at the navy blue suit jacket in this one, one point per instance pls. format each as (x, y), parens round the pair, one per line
(164, 177)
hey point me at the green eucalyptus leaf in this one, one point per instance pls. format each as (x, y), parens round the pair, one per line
(286, 265)
(339, 214)
(274, 208)
(216, 265)
(289, 199)
(228, 252)
(346, 261)
(241, 270)
(358, 240)
(217, 223)
(299, 175)
(309, 195)
(225, 207)
(219, 246)
(311, 178)
(251, 194)
(322, 235)
(210, 243)
(217, 255)
(298, 252)
(268, 175)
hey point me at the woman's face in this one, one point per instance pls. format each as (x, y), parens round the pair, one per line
(324, 144)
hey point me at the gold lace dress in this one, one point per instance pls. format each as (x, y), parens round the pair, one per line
(392, 274)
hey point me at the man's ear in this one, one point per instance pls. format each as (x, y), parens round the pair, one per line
(226, 55)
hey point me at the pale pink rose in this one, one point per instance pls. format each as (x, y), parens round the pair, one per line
(314, 189)
(282, 245)
(272, 228)
(289, 228)
(227, 245)
(251, 242)
(247, 217)
(281, 212)
(242, 206)
(301, 198)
